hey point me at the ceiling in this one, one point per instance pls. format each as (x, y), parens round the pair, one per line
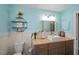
(51, 7)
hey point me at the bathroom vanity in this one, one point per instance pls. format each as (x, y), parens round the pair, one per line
(59, 46)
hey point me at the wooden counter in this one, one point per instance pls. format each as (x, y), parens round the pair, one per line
(45, 41)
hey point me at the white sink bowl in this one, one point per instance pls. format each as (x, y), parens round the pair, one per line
(53, 37)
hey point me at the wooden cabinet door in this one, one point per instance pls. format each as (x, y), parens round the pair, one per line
(57, 48)
(41, 49)
(69, 47)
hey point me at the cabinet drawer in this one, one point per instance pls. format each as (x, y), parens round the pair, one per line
(57, 45)
(41, 46)
(69, 43)
(69, 53)
(41, 52)
(57, 51)
(69, 47)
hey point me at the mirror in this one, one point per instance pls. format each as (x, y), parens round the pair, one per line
(48, 23)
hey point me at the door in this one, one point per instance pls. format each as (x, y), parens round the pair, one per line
(57, 48)
(69, 47)
(41, 49)
(77, 32)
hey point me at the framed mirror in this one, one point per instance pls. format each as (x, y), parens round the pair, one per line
(48, 23)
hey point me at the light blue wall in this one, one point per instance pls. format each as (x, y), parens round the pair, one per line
(3, 19)
(67, 18)
(33, 16)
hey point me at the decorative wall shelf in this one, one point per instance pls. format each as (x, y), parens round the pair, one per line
(19, 24)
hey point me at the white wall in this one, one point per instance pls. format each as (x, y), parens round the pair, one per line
(7, 42)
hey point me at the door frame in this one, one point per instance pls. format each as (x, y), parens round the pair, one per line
(75, 32)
